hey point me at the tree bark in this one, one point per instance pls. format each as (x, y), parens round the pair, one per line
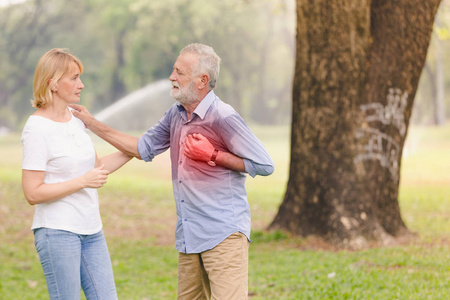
(357, 69)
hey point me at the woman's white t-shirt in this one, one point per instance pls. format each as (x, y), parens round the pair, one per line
(64, 151)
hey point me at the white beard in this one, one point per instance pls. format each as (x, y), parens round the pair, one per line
(186, 95)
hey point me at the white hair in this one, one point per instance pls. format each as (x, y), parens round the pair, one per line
(208, 61)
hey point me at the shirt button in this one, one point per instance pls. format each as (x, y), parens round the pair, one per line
(182, 200)
(185, 220)
(180, 181)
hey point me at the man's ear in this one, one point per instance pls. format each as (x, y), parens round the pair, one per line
(204, 80)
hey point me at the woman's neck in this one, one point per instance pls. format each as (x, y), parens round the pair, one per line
(54, 112)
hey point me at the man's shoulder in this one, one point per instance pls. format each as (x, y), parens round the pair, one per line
(224, 109)
(174, 109)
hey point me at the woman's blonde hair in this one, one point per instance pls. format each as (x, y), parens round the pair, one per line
(51, 67)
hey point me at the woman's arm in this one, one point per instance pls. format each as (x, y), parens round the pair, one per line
(113, 161)
(36, 191)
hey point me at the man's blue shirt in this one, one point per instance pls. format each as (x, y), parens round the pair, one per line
(211, 202)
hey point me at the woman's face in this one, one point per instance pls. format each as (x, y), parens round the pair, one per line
(69, 86)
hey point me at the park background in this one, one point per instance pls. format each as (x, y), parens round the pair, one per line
(128, 48)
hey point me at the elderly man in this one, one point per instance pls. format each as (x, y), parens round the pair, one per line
(212, 149)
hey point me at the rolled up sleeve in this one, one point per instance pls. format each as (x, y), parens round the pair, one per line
(242, 142)
(156, 140)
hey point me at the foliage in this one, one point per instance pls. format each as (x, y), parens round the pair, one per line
(138, 214)
(126, 45)
(423, 105)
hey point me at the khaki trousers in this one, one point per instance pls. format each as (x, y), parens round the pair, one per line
(220, 273)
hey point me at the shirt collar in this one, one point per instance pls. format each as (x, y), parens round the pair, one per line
(203, 106)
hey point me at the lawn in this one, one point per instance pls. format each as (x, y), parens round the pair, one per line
(138, 213)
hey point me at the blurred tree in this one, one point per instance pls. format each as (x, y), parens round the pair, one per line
(27, 31)
(125, 45)
(438, 87)
(432, 103)
(278, 41)
(439, 100)
(20, 30)
(114, 21)
(436, 76)
(357, 69)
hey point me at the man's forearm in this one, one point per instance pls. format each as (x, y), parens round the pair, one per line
(123, 142)
(230, 161)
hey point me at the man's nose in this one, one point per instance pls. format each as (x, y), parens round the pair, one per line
(172, 76)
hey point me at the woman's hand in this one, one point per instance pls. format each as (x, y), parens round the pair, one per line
(36, 191)
(95, 178)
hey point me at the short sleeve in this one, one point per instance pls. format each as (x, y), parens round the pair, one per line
(35, 152)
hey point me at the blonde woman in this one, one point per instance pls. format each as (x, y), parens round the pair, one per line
(60, 176)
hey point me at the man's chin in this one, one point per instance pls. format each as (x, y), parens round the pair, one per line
(175, 94)
(178, 97)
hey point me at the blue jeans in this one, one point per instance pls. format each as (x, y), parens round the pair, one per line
(71, 261)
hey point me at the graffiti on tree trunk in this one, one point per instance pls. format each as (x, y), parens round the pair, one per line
(378, 145)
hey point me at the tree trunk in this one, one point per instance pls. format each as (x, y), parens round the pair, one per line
(433, 89)
(119, 89)
(357, 69)
(439, 101)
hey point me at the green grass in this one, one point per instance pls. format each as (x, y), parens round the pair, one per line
(138, 213)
